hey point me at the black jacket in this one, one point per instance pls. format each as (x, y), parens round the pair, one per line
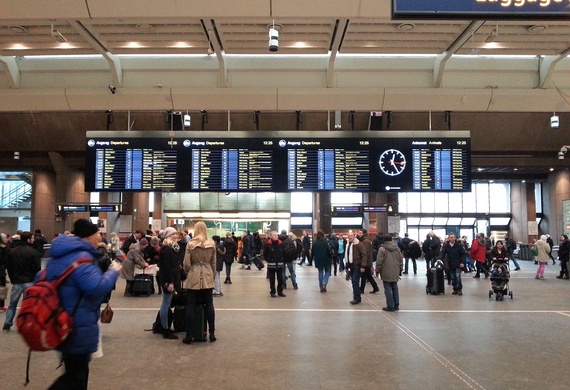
(231, 249)
(128, 242)
(564, 251)
(273, 252)
(454, 255)
(23, 263)
(169, 267)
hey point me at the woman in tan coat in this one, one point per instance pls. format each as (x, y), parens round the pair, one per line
(200, 265)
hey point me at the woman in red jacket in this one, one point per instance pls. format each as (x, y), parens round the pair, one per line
(479, 253)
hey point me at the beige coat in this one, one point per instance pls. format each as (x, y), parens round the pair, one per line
(543, 251)
(200, 265)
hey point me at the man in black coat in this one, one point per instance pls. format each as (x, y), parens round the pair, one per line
(132, 239)
(453, 255)
(24, 263)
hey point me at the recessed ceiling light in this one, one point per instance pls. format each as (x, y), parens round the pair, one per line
(524, 181)
(516, 169)
(480, 169)
(144, 27)
(551, 169)
(18, 29)
(537, 28)
(406, 26)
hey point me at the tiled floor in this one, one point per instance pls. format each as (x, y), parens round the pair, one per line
(313, 340)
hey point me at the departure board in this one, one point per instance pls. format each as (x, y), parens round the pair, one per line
(278, 161)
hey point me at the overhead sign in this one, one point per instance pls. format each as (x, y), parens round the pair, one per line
(497, 9)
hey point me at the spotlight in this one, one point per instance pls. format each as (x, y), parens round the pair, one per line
(562, 152)
(554, 121)
(273, 39)
(16, 155)
(112, 88)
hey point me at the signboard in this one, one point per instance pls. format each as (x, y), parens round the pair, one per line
(280, 161)
(469, 9)
(72, 208)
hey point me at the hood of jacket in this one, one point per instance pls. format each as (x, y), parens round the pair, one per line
(391, 246)
(64, 245)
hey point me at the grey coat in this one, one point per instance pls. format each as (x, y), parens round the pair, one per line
(389, 262)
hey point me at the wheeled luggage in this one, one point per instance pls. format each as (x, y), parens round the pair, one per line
(258, 263)
(435, 281)
(198, 329)
(179, 319)
(142, 285)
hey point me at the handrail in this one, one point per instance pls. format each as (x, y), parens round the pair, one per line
(16, 195)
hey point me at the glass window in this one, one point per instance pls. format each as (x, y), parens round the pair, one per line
(427, 202)
(441, 202)
(346, 198)
(469, 205)
(454, 221)
(495, 221)
(301, 221)
(538, 196)
(440, 221)
(470, 221)
(482, 197)
(413, 221)
(426, 221)
(468, 233)
(482, 225)
(455, 203)
(301, 202)
(403, 202)
(500, 200)
(94, 197)
(414, 202)
(151, 202)
(403, 225)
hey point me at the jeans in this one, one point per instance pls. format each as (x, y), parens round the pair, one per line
(228, 268)
(191, 301)
(356, 284)
(456, 279)
(414, 264)
(164, 308)
(76, 374)
(366, 276)
(481, 268)
(512, 258)
(218, 283)
(275, 273)
(15, 294)
(341, 262)
(392, 295)
(292, 274)
(324, 274)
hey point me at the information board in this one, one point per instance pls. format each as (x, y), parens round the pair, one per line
(468, 9)
(361, 161)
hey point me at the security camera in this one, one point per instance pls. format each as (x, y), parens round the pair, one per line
(273, 39)
(112, 88)
(554, 121)
(561, 155)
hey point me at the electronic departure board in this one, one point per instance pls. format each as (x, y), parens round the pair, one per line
(280, 161)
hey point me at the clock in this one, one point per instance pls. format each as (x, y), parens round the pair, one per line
(392, 162)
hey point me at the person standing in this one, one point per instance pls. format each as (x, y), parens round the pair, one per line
(220, 252)
(247, 246)
(273, 253)
(453, 255)
(39, 242)
(550, 243)
(4, 250)
(306, 254)
(135, 257)
(200, 265)
(353, 266)
(132, 239)
(542, 257)
(366, 264)
(478, 252)
(169, 276)
(563, 256)
(389, 266)
(405, 248)
(341, 248)
(23, 264)
(426, 251)
(231, 247)
(322, 257)
(81, 293)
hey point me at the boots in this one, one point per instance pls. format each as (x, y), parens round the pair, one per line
(228, 280)
(560, 276)
(169, 334)
(128, 289)
(212, 337)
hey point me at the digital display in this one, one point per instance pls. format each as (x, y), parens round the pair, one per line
(72, 208)
(498, 9)
(104, 208)
(280, 161)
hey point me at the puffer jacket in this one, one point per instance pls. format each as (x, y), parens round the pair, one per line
(389, 262)
(478, 250)
(86, 285)
(200, 265)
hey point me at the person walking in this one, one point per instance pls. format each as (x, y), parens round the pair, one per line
(81, 293)
(354, 256)
(273, 253)
(542, 257)
(323, 260)
(511, 245)
(453, 255)
(389, 266)
(23, 264)
(367, 263)
(200, 266)
(478, 252)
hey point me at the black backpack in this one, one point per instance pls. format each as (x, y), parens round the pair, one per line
(157, 325)
(415, 251)
(289, 250)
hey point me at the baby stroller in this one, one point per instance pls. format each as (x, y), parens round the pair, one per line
(500, 275)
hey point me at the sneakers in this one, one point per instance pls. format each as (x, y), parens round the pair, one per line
(281, 294)
(6, 328)
(354, 302)
(374, 291)
(169, 334)
(388, 309)
(518, 269)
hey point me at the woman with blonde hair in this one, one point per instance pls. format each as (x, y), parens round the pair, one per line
(200, 265)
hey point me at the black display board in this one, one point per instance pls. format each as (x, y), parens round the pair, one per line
(361, 161)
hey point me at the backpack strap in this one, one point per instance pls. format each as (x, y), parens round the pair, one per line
(69, 270)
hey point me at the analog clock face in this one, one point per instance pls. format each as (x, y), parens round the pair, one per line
(392, 162)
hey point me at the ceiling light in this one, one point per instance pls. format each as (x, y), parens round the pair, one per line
(57, 35)
(18, 29)
(551, 169)
(537, 28)
(144, 27)
(406, 27)
(554, 121)
(493, 36)
(480, 169)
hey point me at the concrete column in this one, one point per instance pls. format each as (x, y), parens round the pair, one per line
(323, 212)
(43, 214)
(530, 208)
(518, 211)
(558, 190)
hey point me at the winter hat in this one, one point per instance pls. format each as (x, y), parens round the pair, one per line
(169, 231)
(143, 242)
(84, 228)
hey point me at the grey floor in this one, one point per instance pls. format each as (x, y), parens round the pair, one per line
(311, 340)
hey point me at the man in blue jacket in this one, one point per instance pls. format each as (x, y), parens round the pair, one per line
(81, 295)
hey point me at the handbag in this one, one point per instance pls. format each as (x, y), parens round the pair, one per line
(534, 250)
(183, 274)
(3, 292)
(107, 315)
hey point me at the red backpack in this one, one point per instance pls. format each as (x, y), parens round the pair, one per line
(42, 321)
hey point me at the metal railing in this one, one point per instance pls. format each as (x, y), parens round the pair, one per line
(20, 193)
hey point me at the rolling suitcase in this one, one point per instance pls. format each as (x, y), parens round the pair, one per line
(142, 285)
(198, 328)
(179, 319)
(435, 281)
(258, 263)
